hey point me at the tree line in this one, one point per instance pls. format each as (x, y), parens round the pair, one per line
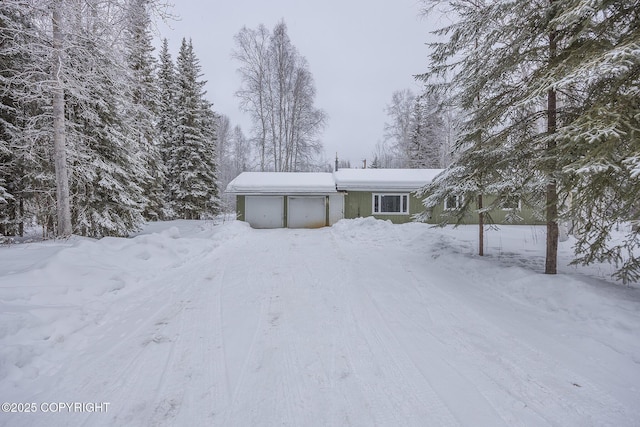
(419, 133)
(98, 135)
(549, 92)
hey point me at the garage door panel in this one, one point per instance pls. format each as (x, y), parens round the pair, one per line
(264, 211)
(306, 212)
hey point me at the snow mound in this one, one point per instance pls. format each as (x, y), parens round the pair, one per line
(172, 232)
(367, 229)
(69, 287)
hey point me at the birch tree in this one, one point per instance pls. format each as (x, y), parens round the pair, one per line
(59, 132)
(398, 130)
(252, 52)
(278, 91)
(76, 137)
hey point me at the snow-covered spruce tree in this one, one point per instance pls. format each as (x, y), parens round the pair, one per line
(74, 99)
(26, 88)
(192, 162)
(106, 160)
(530, 77)
(598, 68)
(491, 57)
(12, 32)
(167, 117)
(426, 144)
(145, 105)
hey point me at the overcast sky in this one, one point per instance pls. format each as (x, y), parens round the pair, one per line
(359, 52)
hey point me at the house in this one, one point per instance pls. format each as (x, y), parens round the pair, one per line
(311, 200)
(383, 193)
(287, 199)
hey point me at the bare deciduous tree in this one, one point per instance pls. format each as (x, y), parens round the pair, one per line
(278, 91)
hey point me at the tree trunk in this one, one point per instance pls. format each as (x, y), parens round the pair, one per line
(480, 213)
(480, 227)
(552, 194)
(21, 216)
(59, 145)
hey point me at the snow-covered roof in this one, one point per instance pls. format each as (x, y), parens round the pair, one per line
(383, 179)
(323, 182)
(282, 183)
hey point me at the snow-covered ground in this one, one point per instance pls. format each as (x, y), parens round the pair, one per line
(363, 323)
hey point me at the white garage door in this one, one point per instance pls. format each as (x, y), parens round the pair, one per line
(306, 212)
(264, 211)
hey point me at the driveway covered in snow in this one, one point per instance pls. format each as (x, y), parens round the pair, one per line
(364, 323)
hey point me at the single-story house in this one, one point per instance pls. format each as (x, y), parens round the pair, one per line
(383, 193)
(311, 200)
(287, 199)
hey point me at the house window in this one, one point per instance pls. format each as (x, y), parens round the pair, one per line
(512, 203)
(452, 202)
(391, 204)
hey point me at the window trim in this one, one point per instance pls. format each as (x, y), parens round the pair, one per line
(519, 208)
(458, 202)
(403, 197)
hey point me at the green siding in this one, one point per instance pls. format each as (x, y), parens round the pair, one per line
(286, 212)
(326, 211)
(240, 208)
(359, 204)
(497, 216)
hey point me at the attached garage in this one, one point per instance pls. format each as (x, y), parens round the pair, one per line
(287, 199)
(264, 211)
(306, 211)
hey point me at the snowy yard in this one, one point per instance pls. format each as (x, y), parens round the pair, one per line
(363, 323)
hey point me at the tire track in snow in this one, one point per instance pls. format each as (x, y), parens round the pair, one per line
(199, 362)
(279, 339)
(416, 401)
(480, 359)
(309, 331)
(141, 361)
(245, 402)
(401, 397)
(283, 350)
(157, 359)
(195, 356)
(103, 373)
(219, 373)
(332, 355)
(536, 392)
